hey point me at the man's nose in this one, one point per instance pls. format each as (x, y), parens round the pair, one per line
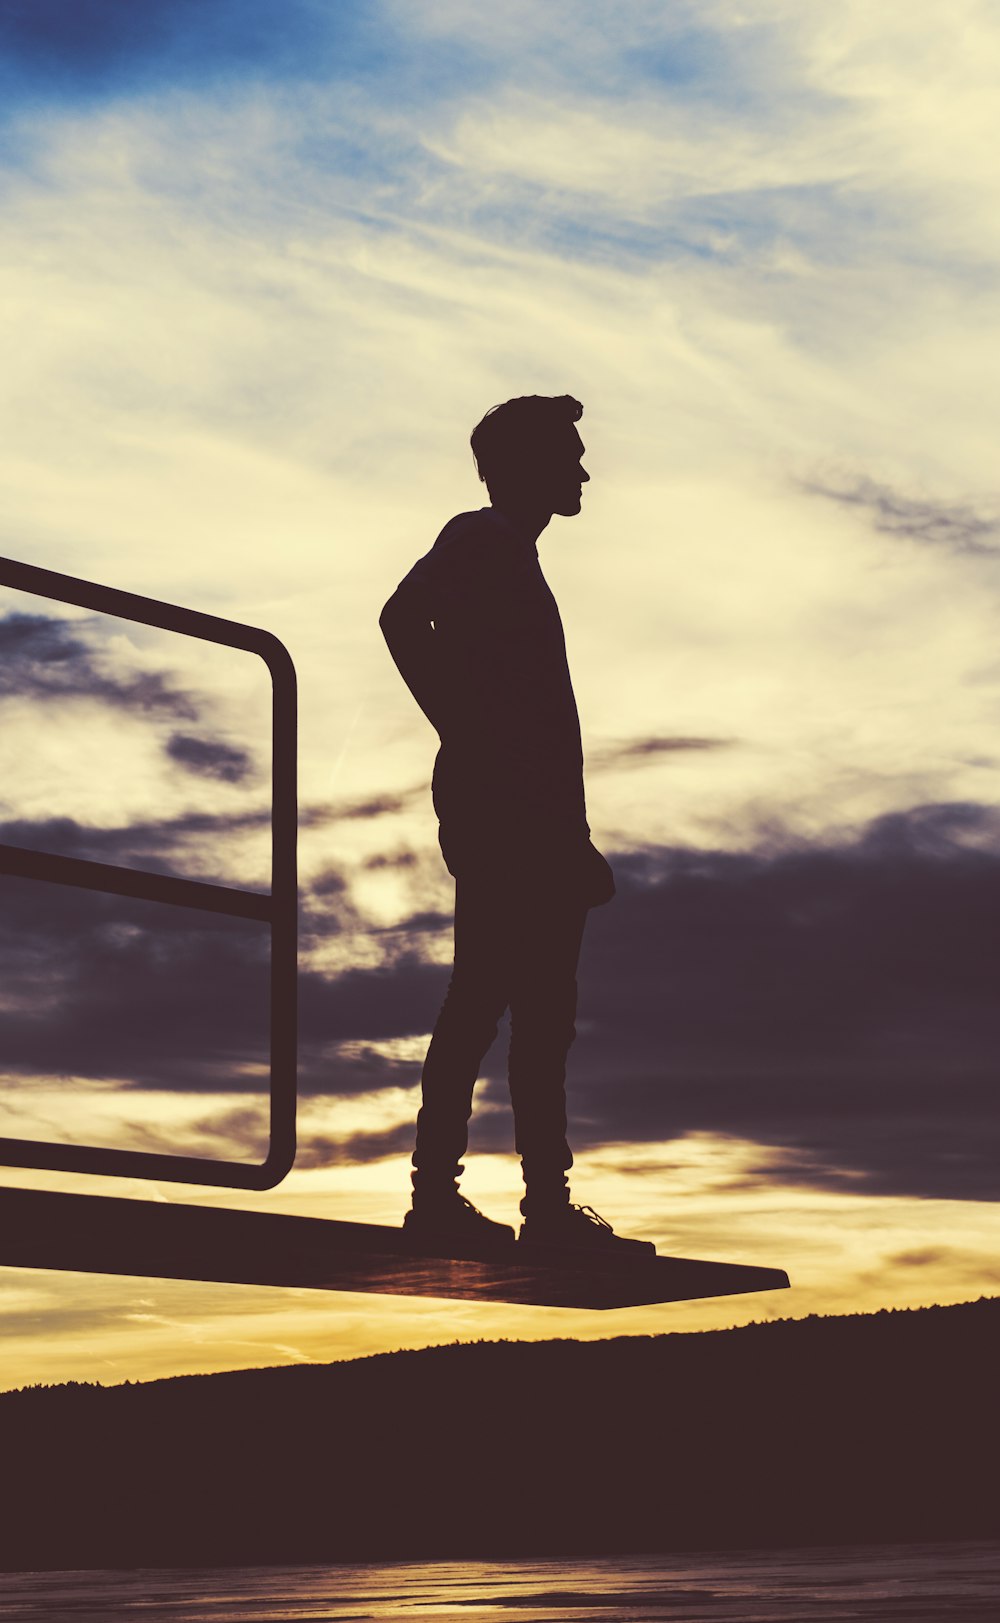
(584, 477)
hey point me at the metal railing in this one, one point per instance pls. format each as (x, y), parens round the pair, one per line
(277, 908)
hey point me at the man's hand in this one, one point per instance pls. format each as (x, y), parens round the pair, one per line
(541, 863)
(600, 881)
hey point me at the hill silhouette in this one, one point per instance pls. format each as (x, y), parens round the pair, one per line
(878, 1427)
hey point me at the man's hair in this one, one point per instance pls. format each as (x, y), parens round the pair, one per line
(516, 432)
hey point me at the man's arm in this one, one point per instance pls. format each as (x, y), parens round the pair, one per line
(406, 625)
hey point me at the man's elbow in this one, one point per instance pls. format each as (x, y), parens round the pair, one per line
(394, 621)
(404, 619)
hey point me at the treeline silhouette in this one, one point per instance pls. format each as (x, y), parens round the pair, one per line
(876, 1427)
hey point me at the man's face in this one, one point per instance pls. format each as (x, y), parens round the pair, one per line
(547, 477)
(564, 474)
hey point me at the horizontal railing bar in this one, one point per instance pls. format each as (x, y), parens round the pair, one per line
(136, 883)
(110, 1163)
(150, 611)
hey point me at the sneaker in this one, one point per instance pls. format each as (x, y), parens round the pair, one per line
(453, 1220)
(581, 1229)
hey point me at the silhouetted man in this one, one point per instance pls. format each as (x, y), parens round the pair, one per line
(476, 635)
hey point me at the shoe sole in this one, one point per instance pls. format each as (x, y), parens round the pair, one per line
(445, 1242)
(621, 1251)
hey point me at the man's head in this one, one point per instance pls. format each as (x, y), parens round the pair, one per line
(528, 453)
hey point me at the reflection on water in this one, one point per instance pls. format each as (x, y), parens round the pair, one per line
(937, 1583)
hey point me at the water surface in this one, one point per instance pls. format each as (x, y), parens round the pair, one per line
(923, 1583)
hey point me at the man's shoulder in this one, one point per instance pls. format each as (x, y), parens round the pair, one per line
(478, 528)
(474, 556)
(469, 542)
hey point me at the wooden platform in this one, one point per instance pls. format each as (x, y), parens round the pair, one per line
(156, 1239)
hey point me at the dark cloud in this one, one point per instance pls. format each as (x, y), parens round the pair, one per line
(328, 883)
(398, 999)
(161, 996)
(638, 750)
(933, 1140)
(317, 1150)
(963, 1265)
(226, 1134)
(876, 954)
(104, 986)
(193, 845)
(162, 844)
(186, 844)
(418, 924)
(834, 1005)
(926, 1257)
(48, 659)
(210, 758)
(949, 524)
(375, 806)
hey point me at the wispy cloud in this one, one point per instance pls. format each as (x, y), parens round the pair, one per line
(634, 751)
(91, 713)
(956, 525)
(209, 757)
(154, 843)
(52, 659)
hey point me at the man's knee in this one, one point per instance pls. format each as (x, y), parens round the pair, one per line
(545, 1025)
(472, 1010)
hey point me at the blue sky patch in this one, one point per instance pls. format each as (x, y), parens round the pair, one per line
(88, 50)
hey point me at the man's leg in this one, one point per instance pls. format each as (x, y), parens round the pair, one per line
(477, 996)
(543, 1012)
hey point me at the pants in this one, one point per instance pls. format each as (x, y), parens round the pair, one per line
(517, 942)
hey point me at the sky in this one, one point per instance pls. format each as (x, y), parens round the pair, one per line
(262, 270)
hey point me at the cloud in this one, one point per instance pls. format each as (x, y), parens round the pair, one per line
(59, 664)
(160, 844)
(926, 1256)
(395, 859)
(50, 659)
(377, 806)
(157, 996)
(210, 758)
(319, 1150)
(328, 883)
(849, 1134)
(196, 843)
(635, 751)
(836, 1003)
(954, 525)
(866, 957)
(103, 987)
